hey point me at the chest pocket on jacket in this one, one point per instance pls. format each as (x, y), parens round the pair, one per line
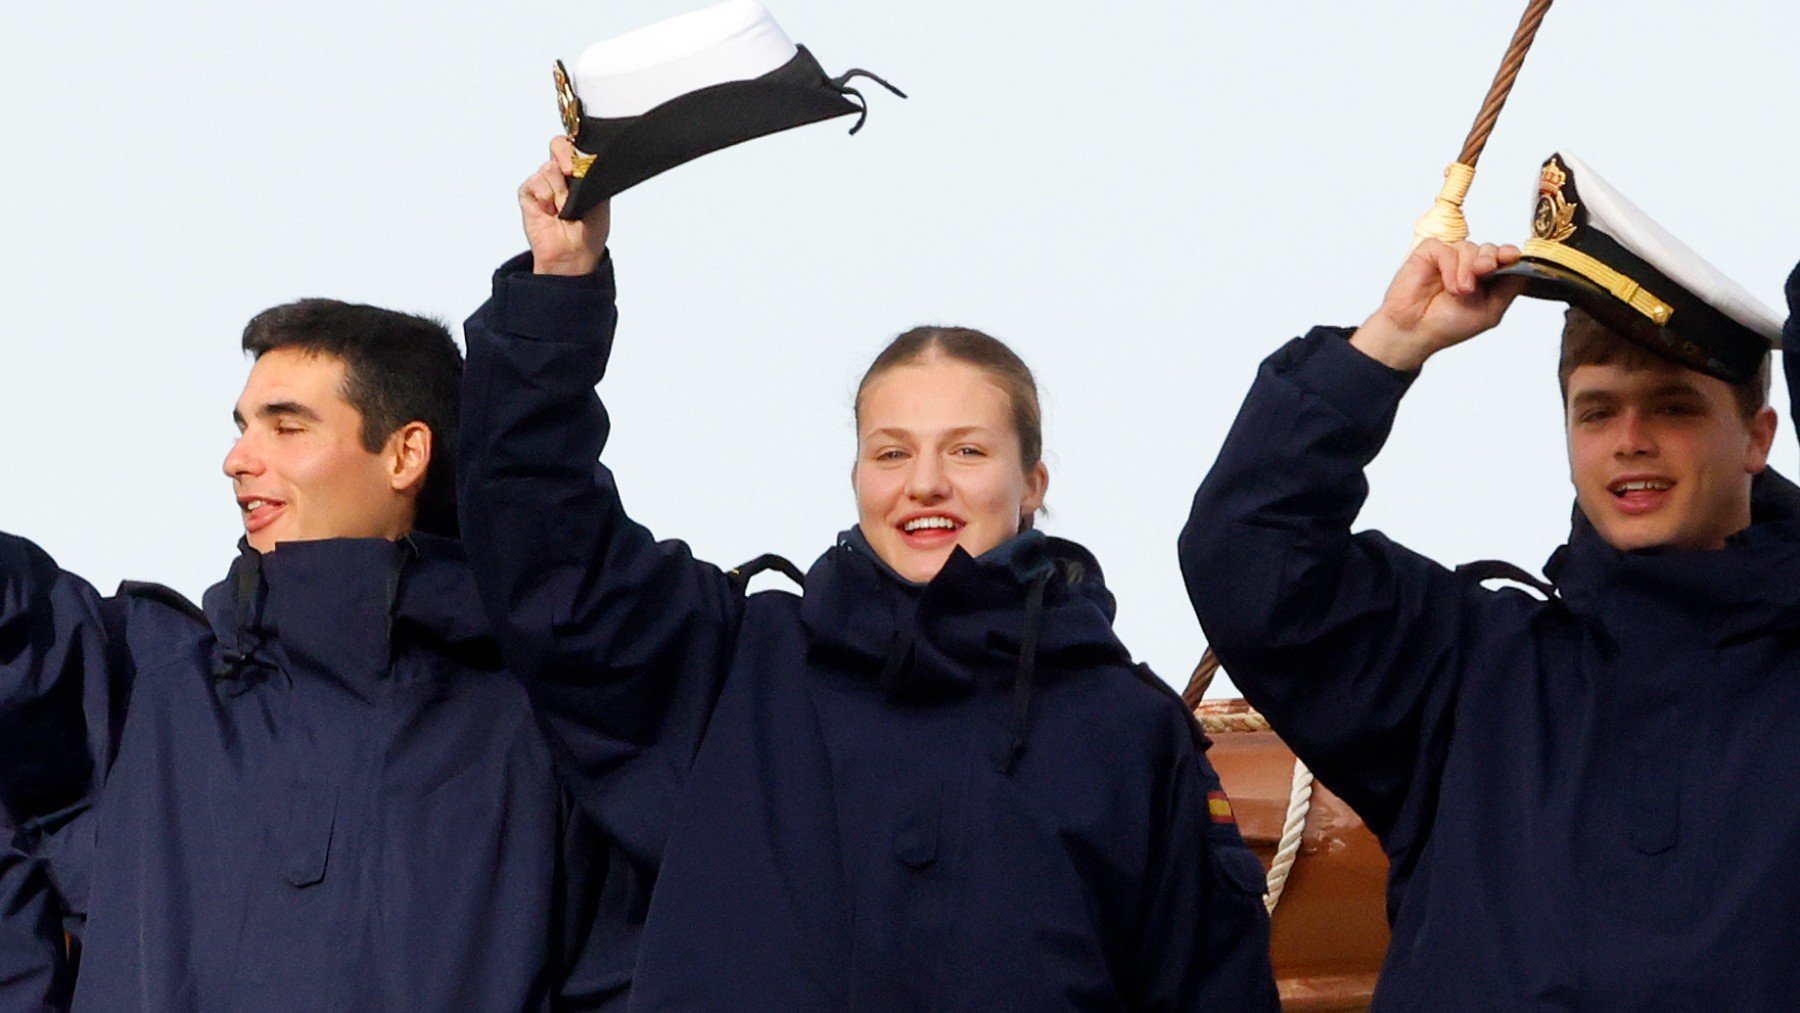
(916, 839)
(290, 915)
(305, 842)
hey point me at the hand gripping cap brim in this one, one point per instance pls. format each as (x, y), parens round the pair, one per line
(631, 149)
(1593, 249)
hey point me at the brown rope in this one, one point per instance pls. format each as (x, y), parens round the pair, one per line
(1503, 82)
(1202, 678)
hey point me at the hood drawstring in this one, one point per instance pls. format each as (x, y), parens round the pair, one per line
(405, 550)
(247, 608)
(899, 659)
(1023, 683)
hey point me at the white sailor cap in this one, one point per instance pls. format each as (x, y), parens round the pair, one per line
(644, 102)
(1592, 248)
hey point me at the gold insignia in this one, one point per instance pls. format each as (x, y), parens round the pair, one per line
(1554, 219)
(1553, 177)
(567, 102)
(1623, 288)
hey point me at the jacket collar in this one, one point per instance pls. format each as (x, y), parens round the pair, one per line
(1745, 587)
(328, 611)
(1029, 603)
(966, 621)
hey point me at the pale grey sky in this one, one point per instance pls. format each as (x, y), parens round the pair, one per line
(1144, 199)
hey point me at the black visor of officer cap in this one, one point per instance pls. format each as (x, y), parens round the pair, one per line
(647, 101)
(1592, 248)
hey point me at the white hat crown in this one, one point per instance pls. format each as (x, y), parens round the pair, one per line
(633, 73)
(1609, 211)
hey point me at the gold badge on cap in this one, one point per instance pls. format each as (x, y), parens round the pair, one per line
(569, 104)
(1554, 219)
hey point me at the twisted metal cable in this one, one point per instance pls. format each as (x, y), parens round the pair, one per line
(1200, 680)
(1444, 221)
(1503, 82)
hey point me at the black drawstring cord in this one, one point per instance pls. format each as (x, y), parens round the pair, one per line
(247, 577)
(898, 659)
(842, 84)
(1027, 674)
(404, 551)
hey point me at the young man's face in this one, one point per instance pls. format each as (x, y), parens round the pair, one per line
(1662, 456)
(299, 469)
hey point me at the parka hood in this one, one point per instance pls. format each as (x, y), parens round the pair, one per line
(334, 605)
(982, 623)
(1746, 585)
(971, 613)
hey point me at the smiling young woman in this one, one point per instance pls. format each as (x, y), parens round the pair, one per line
(934, 780)
(949, 448)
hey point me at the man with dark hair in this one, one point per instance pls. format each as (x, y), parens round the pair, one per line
(1586, 795)
(321, 791)
(1587, 342)
(399, 369)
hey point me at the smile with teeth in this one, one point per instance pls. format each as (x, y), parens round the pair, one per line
(250, 506)
(925, 523)
(1642, 485)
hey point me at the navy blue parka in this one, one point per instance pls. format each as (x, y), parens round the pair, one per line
(1587, 801)
(877, 795)
(323, 793)
(34, 962)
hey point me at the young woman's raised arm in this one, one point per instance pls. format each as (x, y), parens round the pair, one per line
(622, 640)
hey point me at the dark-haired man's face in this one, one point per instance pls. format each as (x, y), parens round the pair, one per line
(1662, 457)
(299, 470)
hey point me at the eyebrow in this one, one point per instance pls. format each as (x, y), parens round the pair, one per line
(1678, 388)
(1674, 388)
(897, 432)
(278, 409)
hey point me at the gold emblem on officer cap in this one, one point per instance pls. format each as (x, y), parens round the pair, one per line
(567, 101)
(1554, 219)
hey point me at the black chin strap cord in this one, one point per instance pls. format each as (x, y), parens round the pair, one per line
(1025, 681)
(842, 84)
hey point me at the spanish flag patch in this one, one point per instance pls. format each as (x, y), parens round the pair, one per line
(1219, 807)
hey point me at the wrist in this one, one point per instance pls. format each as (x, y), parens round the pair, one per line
(567, 264)
(1380, 339)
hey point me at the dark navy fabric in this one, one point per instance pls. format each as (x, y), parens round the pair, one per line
(323, 793)
(875, 796)
(34, 966)
(1588, 802)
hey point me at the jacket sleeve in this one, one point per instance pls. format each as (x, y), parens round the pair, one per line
(35, 971)
(63, 683)
(622, 640)
(1346, 643)
(1204, 940)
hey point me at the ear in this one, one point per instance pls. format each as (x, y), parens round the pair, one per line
(1037, 483)
(1762, 437)
(408, 456)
